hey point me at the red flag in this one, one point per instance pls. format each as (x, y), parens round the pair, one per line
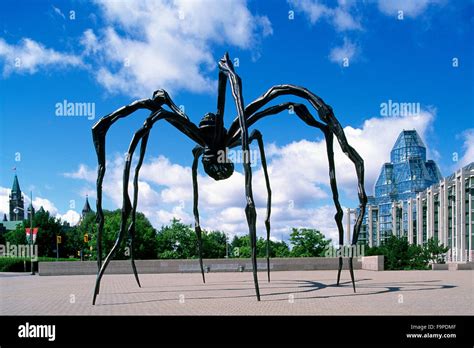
(28, 233)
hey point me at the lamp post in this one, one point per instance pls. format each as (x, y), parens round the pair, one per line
(226, 246)
(31, 229)
(16, 210)
(31, 233)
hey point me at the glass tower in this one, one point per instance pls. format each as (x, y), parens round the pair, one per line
(407, 174)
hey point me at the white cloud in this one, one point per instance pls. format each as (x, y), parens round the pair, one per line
(468, 149)
(167, 44)
(58, 12)
(71, 216)
(83, 172)
(339, 17)
(39, 202)
(410, 8)
(4, 199)
(28, 56)
(344, 53)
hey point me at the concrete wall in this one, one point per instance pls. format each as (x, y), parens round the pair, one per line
(215, 265)
(373, 263)
(452, 266)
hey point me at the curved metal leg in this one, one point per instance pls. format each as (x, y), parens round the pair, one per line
(335, 195)
(326, 114)
(131, 229)
(99, 132)
(126, 205)
(225, 65)
(197, 152)
(258, 136)
(126, 208)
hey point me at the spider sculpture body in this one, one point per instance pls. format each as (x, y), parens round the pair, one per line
(212, 139)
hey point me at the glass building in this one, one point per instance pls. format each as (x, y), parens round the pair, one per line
(411, 199)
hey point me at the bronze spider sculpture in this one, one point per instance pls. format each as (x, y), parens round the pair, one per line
(212, 138)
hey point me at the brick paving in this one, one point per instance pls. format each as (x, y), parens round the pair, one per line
(289, 293)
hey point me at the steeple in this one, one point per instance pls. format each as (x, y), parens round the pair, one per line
(87, 208)
(30, 212)
(16, 191)
(5, 217)
(17, 212)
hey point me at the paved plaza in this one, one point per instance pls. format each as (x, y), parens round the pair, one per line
(289, 293)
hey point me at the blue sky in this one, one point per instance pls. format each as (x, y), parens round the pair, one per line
(109, 53)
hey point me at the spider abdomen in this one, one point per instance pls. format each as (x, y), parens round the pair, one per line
(217, 164)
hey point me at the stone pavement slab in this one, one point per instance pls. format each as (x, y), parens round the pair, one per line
(289, 293)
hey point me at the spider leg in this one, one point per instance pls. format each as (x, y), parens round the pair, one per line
(197, 152)
(335, 195)
(176, 120)
(326, 114)
(99, 132)
(131, 229)
(256, 135)
(303, 113)
(225, 65)
(126, 205)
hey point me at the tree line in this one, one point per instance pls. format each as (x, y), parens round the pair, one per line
(179, 241)
(174, 241)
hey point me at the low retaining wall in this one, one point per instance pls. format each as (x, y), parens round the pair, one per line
(439, 266)
(214, 265)
(452, 266)
(373, 263)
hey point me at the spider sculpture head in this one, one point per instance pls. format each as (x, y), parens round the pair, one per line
(215, 161)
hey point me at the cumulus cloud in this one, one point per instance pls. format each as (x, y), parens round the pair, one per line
(83, 172)
(28, 56)
(339, 17)
(343, 54)
(4, 199)
(468, 149)
(71, 216)
(410, 8)
(167, 44)
(145, 45)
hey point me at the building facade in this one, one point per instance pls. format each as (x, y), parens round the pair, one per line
(412, 200)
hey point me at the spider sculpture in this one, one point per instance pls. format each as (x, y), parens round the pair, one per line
(212, 137)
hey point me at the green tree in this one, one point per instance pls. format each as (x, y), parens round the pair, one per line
(279, 249)
(177, 241)
(435, 251)
(16, 236)
(49, 228)
(308, 243)
(145, 246)
(213, 244)
(400, 255)
(240, 247)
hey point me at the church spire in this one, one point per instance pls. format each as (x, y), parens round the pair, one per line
(17, 212)
(87, 208)
(16, 186)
